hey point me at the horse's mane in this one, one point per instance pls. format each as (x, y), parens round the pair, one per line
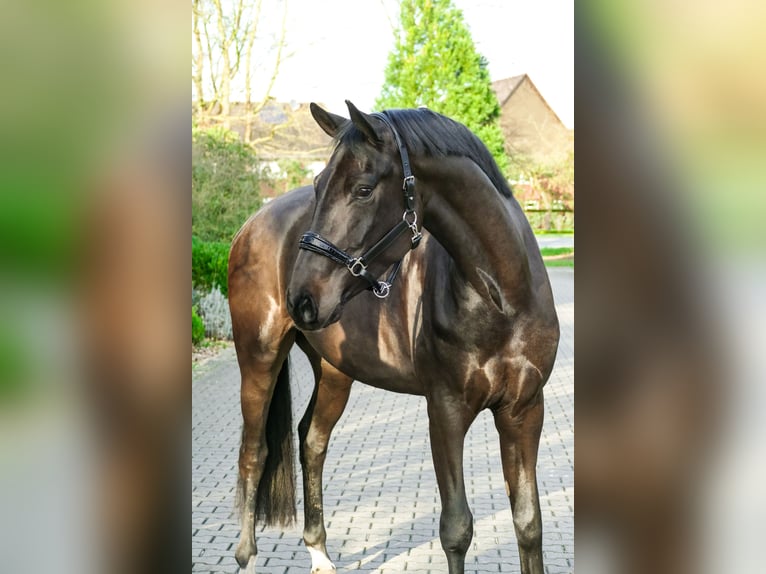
(431, 134)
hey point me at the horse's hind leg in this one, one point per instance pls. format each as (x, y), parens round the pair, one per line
(261, 367)
(519, 440)
(449, 419)
(325, 408)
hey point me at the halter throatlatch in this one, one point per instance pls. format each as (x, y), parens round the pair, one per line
(357, 266)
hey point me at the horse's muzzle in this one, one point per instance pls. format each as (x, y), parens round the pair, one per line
(303, 310)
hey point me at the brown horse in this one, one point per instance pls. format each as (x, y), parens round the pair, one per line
(459, 311)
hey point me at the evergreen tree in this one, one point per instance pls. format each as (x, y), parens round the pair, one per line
(435, 64)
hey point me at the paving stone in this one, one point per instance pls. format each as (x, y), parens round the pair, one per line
(381, 501)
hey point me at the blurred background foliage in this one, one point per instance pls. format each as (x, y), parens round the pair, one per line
(699, 79)
(434, 63)
(226, 183)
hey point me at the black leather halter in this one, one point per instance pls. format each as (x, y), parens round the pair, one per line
(357, 266)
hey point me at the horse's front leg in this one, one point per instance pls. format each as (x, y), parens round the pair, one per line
(325, 408)
(519, 440)
(449, 419)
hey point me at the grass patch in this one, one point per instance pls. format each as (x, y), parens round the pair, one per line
(550, 251)
(558, 256)
(561, 263)
(211, 344)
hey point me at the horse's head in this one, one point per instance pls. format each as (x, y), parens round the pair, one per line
(364, 221)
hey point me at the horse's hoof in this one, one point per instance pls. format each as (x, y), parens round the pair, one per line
(320, 563)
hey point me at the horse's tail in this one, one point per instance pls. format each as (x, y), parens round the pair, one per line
(275, 496)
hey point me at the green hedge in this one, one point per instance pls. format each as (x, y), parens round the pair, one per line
(226, 183)
(210, 262)
(198, 327)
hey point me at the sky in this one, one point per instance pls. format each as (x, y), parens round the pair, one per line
(337, 49)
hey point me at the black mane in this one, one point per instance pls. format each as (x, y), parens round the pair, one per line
(431, 134)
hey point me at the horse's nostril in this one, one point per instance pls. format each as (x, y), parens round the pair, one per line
(306, 309)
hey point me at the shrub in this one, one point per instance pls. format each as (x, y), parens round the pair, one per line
(198, 327)
(214, 309)
(295, 174)
(226, 181)
(210, 263)
(549, 186)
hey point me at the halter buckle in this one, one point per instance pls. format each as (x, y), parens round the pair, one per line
(353, 264)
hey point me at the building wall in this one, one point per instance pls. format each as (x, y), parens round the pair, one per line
(531, 128)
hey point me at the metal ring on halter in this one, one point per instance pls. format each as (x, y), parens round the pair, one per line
(357, 266)
(381, 290)
(352, 267)
(413, 225)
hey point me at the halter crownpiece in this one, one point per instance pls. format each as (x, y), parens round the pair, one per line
(408, 184)
(357, 266)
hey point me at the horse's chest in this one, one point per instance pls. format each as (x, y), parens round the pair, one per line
(373, 352)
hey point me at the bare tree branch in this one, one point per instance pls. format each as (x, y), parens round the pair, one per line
(198, 59)
(213, 76)
(250, 40)
(278, 60)
(225, 61)
(225, 78)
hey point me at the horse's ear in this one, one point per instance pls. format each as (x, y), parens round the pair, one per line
(362, 122)
(329, 122)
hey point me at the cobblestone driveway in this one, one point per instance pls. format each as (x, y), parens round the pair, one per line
(381, 500)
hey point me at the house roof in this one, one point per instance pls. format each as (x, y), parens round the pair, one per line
(504, 88)
(530, 126)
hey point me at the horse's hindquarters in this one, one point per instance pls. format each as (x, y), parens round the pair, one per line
(263, 335)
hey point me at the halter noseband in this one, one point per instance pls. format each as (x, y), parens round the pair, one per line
(357, 266)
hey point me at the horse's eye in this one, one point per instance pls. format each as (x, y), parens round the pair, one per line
(364, 192)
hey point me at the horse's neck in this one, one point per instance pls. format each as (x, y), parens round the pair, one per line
(464, 211)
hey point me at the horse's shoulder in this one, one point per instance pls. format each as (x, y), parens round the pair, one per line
(275, 222)
(287, 207)
(277, 214)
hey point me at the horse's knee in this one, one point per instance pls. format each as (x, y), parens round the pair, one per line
(529, 532)
(456, 531)
(313, 447)
(527, 521)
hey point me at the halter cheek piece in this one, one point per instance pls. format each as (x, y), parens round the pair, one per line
(357, 266)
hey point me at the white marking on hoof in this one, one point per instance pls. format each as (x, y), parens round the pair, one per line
(320, 564)
(250, 569)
